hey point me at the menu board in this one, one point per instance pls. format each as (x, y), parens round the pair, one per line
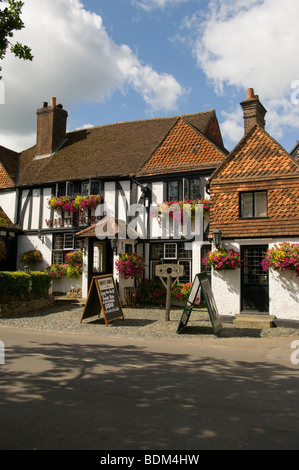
(201, 281)
(103, 296)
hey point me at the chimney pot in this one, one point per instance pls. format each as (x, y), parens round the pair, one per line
(250, 94)
(253, 111)
(45, 104)
(53, 101)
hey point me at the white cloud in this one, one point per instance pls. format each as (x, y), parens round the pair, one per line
(75, 60)
(149, 5)
(250, 44)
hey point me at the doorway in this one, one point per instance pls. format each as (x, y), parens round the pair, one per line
(100, 259)
(254, 280)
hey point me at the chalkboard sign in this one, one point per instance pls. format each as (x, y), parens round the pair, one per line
(201, 281)
(103, 296)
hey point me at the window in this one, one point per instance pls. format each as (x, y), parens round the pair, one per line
(71, 189)
(184, 189)
(175, 191)
(253, 204)
(62, 244)
(171, 253)
(170, 250)
(194, 189)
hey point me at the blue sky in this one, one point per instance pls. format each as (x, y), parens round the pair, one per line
(117, 60)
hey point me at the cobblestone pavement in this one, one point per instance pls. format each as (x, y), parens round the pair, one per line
(138, 323)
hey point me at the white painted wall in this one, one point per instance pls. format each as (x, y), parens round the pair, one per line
(7, 202)
(32, 242)
(283, 286)
(284, 290)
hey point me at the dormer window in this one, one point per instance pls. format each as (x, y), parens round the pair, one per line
(253, 204)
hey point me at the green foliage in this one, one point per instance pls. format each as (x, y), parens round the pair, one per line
(41, 283)
(151, 291)
(22, 285)
(14, 283)
(10, 21)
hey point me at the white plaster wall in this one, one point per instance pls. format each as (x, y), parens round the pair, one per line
(284, 290)
(226, 287)
(7, 202)
(46, 208)
(65, 284)
(35, 209)
(284, 294)
(32, 242)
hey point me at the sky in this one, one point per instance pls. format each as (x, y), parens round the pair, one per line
(110, 61)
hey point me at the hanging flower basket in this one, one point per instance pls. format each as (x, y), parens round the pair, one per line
(79, 203)
(130, 266)
(188, 207)
(282, 257)
(3, 251)
(31, 257)
(223, 259)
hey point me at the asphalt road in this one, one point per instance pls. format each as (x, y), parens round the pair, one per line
(93, 392)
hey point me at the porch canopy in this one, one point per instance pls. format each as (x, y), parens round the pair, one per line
(112, 228)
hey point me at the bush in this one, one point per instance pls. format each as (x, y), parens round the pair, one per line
(14, 283)
(23, 285)
(41, 283)
(151, 291)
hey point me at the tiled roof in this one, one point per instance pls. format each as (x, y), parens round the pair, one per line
(8, 167)
(257, 156)
(108, 151)
(183, 149)
(5, 222)
(258, 163)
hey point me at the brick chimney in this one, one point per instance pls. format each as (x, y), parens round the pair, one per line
(253, 111)
(51, 128)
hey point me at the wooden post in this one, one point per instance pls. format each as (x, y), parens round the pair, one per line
(168, 299)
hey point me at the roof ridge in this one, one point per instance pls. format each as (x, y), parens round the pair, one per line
(134, 121)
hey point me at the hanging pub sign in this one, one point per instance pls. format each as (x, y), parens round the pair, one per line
(103, 296)
(201, 283)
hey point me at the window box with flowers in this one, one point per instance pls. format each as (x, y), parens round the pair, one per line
(72, 267)
(77, 204)
(31, 257)
(223, 259)
(180, 208)
(282, 257)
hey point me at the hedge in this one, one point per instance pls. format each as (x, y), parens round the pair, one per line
(20, 284)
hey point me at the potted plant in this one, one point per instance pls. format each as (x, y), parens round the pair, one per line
(223, 259)
(86, 202)
(66, 203)
(282, 257)
(130, 266)
(31, 257)
(177, 209)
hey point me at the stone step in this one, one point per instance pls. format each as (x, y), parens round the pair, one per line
(258, 321)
